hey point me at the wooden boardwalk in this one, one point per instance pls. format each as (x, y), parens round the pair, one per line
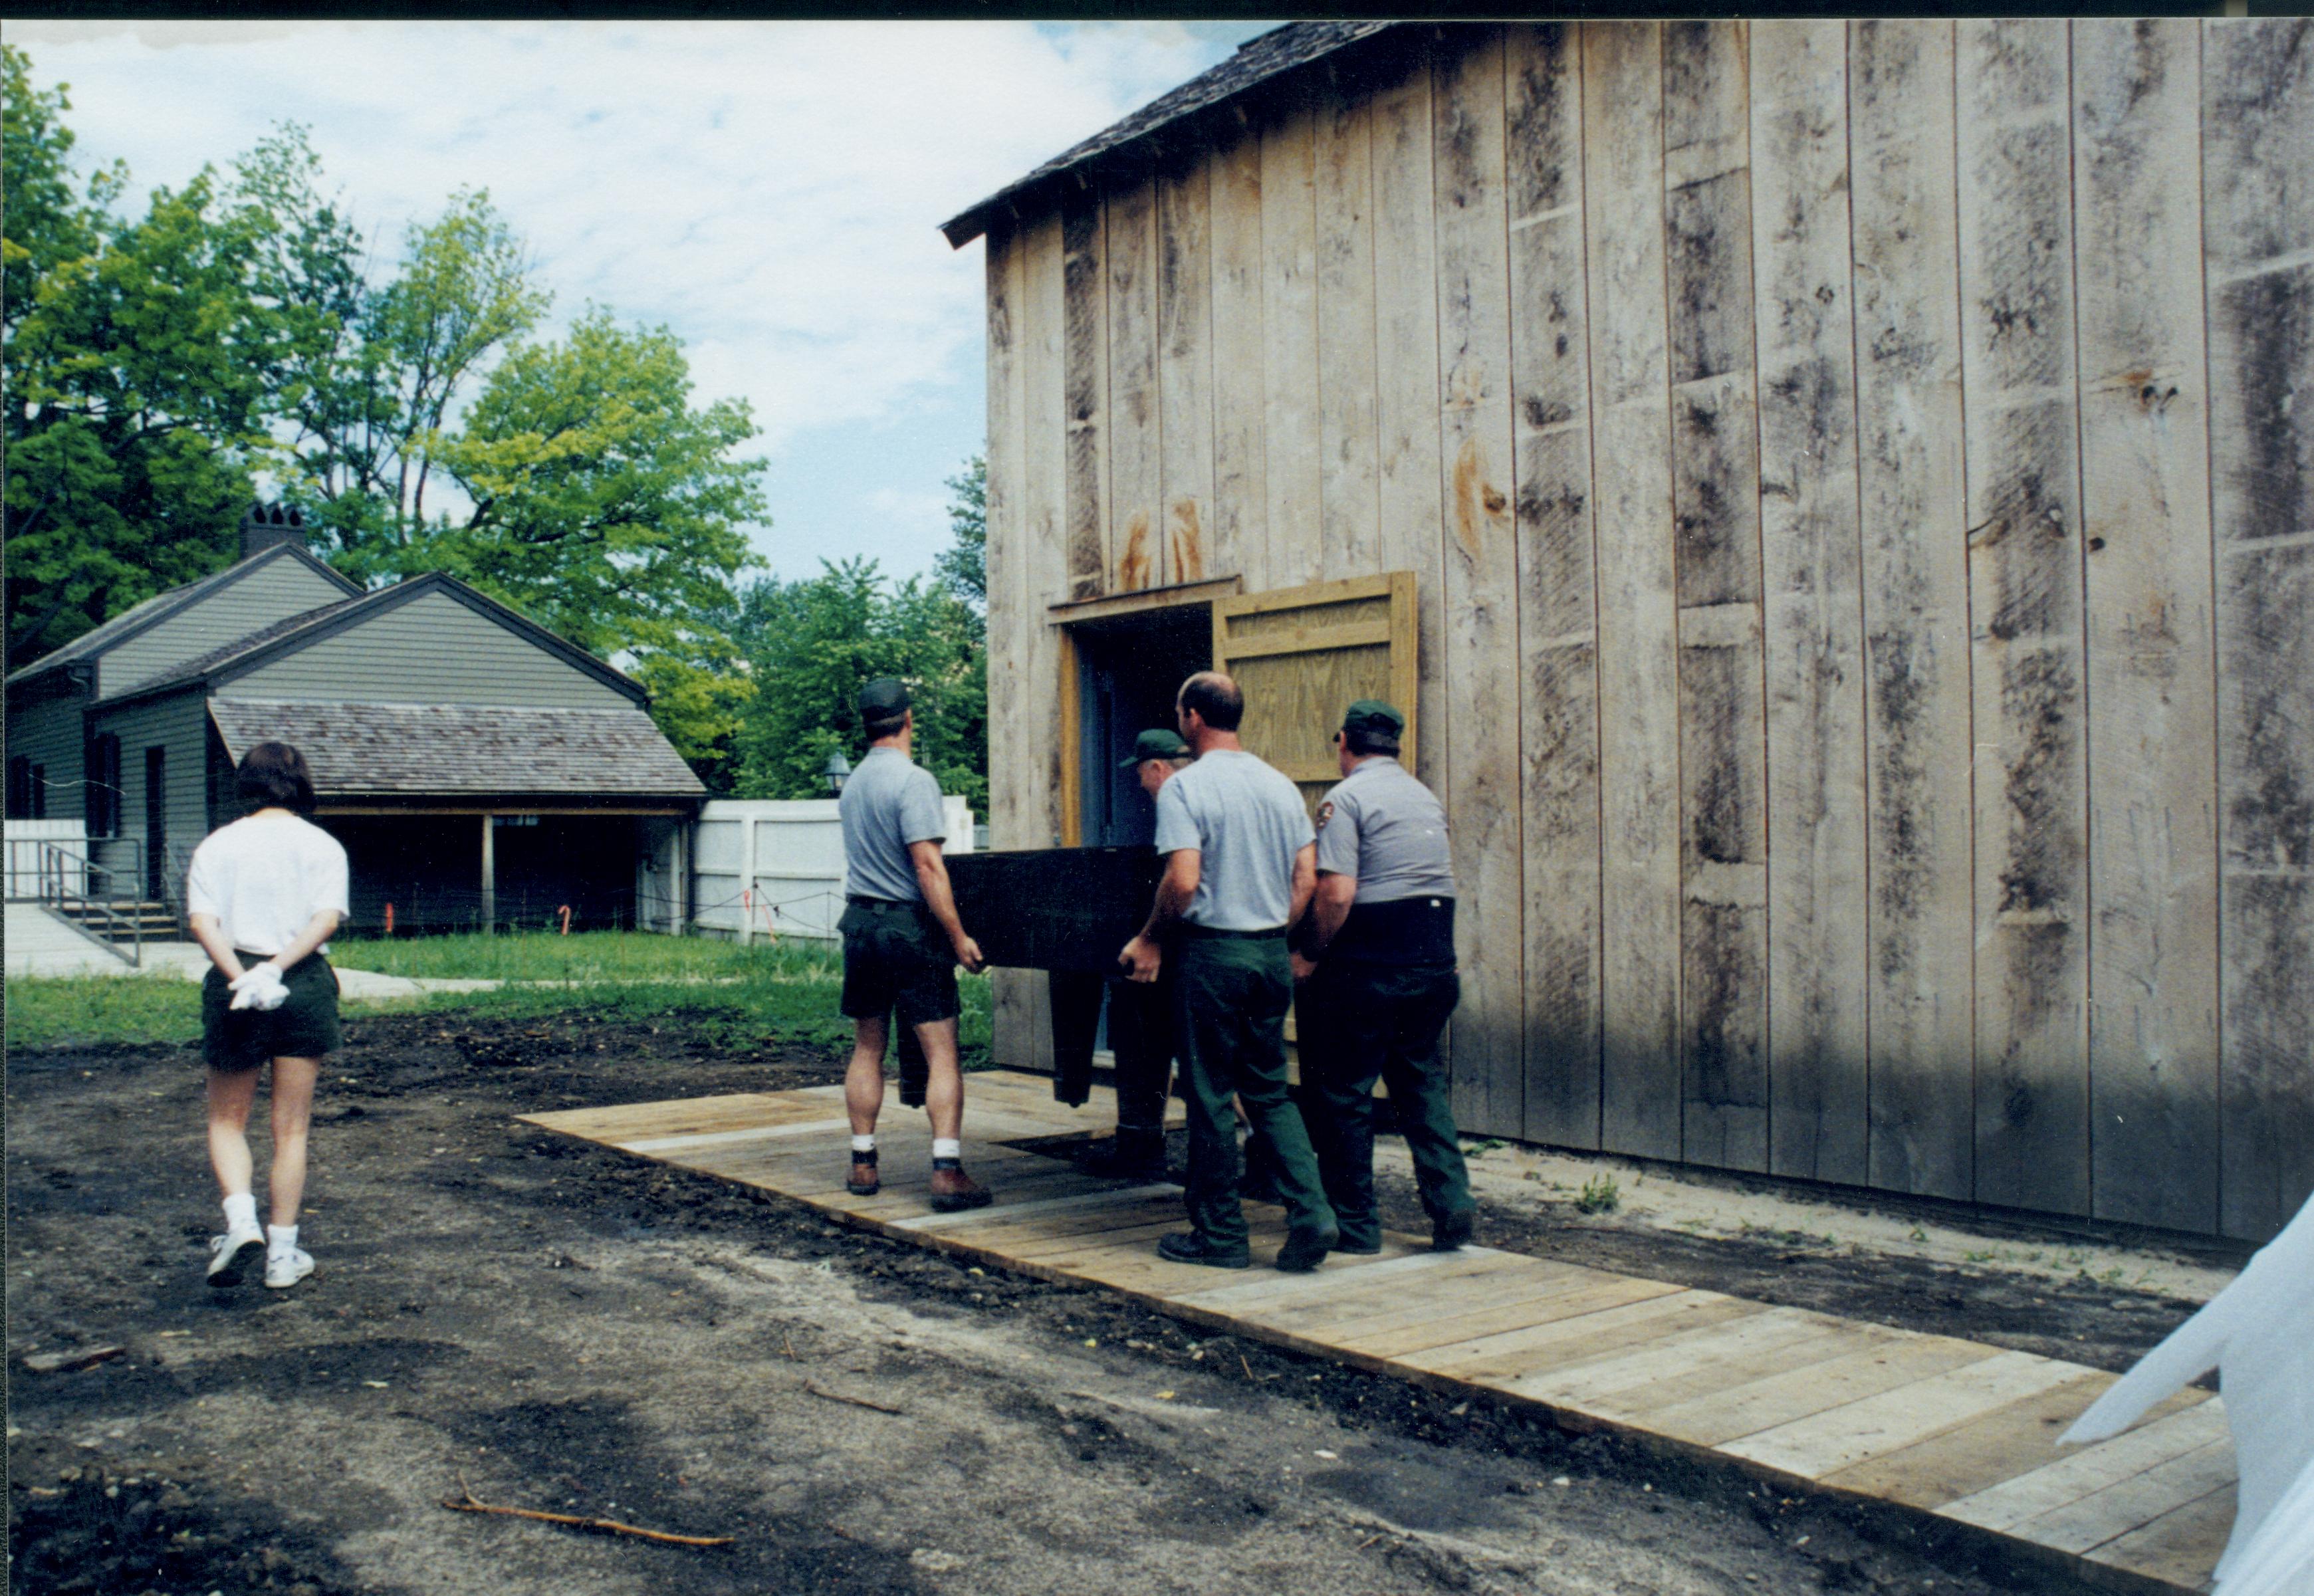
(1954, 1428)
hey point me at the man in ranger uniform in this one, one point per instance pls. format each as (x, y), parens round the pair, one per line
(902, 942)
(1140, 1015)
(1376, 964)
(1240, 865)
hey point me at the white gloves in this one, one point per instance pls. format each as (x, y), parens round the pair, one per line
(260, 987)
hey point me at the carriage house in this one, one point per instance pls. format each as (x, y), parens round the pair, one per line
(1833, 499)
(480, 769)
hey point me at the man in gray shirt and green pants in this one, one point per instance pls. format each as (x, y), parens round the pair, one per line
(902, 942)
(1239, 868)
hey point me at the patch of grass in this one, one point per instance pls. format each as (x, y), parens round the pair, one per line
(787, 1000)
(584, 958)
(1600, 1195)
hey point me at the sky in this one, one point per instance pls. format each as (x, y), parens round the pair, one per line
(769, 190)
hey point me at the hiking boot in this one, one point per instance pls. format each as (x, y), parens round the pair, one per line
(863, 1181)
(231, 1255)
(1304, 1250)
(954, 1191)
(1451, 1232)
(1187, 1246)
(287, 1267)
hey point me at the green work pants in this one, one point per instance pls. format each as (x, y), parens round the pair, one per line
(1361, 1022)
(1230, 1001)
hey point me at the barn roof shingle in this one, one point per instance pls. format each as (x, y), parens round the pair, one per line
(1256, 61)
(453, 750)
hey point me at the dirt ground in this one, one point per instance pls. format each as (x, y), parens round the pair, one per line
(564, 1327)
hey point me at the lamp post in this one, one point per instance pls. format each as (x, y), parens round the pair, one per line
(835, 771)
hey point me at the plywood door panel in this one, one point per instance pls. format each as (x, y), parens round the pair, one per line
(2258, 232)
(1716, 507)
(1409, 484)
(1289, 336)
(1349, 532)
(1920, 924)
(1639, 663)
(1474, 443)
(2145, 515)
(1302, 655)
(1135, 429)
(2020, 428)
(1813, 627)
(1241, 538)
(1084, 365)
(1185, 365)
(1557, 588)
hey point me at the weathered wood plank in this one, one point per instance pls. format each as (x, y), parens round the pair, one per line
(1812, 575)
(1919, 923)
(1482, 586)
(1047, 576)
(2258, 176)
(1406, 388)
(1185, 363)
(1638, 658)
(1291, 439)
(1722, 1351)
(1134, 450)
(1558, 587)
(2145, 513)
(1795, 1393)
(1637, 1316)
(1348, 485)
(1009, 612)
(2180, 1546)
(1240, 520)
(2109, 1515)
(2020, 429)
(1715, 456)
(1084, 357)
(1893, 1419)
(2075, 1475)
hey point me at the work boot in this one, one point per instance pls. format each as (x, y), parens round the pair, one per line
(1452, 1231)
(863, 1181)
(1133, 1154)
(1187, 1246)
(1304, 1250)
(954, 1191)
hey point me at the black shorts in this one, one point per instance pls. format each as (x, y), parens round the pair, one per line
(305, 1026)
(896, 957)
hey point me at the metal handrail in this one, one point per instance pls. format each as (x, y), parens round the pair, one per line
(58, 858)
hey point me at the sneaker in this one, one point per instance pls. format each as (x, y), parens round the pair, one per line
(1451, 1232)
(285, 1269)
(1304, 1250)
(1187, 1246)
(231, 1255)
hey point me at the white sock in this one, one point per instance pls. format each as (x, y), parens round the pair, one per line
(240, 1212)
(947, 1147)
(281, 1238)
(863, 1144)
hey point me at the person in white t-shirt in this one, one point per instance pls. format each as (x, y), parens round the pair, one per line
(265, 895)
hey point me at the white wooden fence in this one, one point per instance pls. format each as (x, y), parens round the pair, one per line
(775, 867)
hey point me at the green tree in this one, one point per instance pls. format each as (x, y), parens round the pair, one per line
(963, 565)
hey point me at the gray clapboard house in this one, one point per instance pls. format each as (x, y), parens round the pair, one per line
(479, 769)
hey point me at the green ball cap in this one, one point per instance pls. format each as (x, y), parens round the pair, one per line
(883, 698)
(1371, 715)
(1154, 745)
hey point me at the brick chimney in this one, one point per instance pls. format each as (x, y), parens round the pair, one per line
(264, 525)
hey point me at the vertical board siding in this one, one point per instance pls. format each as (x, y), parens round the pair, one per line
(2145, 508)
(1241, 540)
(1135, 508)
(1812, 566)
(1010, 564)
(1558, 597)
(1716, 507)
(1185, 366)
(1290, 445)
(1085, 366)
(2257, 172)
(1349, 531)
(1483, 713)
(2020, 432)
(1050, 575)
(1638, 661)
(1409, 487)
(1919, 923)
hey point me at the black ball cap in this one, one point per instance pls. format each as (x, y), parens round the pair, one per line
(883, 698)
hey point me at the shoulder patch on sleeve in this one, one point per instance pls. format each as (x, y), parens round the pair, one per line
(1325, 813)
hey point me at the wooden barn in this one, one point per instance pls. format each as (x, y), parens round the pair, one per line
(1837, 500)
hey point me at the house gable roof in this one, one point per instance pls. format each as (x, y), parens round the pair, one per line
(1257, 61)
(138, 619)
(268, 644)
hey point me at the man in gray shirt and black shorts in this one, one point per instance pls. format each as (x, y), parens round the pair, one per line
(1239, 866)
(902, 942)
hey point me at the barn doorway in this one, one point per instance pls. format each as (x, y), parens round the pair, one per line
(1128, 667)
